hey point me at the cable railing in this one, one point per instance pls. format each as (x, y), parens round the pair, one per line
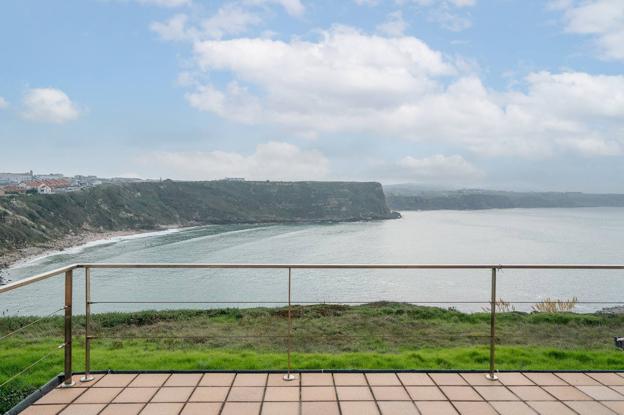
(289, 303)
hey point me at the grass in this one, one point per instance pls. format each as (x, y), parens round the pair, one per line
(372, 336)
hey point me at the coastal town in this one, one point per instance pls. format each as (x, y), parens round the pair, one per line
(50, 183)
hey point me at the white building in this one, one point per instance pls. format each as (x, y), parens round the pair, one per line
(44, 189)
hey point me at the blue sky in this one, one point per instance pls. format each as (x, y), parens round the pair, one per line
(503, 94)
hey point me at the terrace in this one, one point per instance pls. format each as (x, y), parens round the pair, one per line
(293, 390)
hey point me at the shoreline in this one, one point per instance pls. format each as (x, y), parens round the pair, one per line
(29, 254)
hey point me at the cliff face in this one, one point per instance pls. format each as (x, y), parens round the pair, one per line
(472, 200)
(33, 219)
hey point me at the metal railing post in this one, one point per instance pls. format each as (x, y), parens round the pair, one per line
(87, 376)
(67, 378)
(289, 376)
(492, 375)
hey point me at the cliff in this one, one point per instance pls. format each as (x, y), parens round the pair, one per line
(27, 220)
(402, 199)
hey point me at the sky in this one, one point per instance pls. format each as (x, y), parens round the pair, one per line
(500, 94)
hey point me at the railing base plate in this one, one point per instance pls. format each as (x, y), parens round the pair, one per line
(289, 377)
(491, 377)
(67, 385)
(87, 378)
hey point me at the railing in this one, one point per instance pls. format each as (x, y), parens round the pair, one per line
(69, 276)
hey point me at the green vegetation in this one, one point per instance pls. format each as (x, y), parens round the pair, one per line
(372, 336)
(27, 220)
(404, 197)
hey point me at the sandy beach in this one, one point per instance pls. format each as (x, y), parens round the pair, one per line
(28, 254)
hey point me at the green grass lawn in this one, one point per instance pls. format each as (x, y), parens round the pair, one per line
(374, 336)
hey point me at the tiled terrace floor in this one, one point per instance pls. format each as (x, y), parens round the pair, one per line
(339, 394)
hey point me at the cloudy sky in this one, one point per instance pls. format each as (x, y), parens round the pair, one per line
(507, 94)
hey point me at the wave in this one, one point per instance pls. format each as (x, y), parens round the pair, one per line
(98, 242)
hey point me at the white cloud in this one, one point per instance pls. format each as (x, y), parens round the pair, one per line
(173, 29)
(228, 20)
(271, 161)
(48, 105)
(292, 7)
(439, 168)
(603, 19)
(350, 82)
(394, 25)
(166, 3)
(3, 103)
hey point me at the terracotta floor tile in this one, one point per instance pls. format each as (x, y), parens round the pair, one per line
(383, 379)
(209, 394)
(545, 379)
(479, 379)
(98, 395)
(217, 379)
(589, 408)
(448, 379)
(390, 393)
(601, 393)
(241, 408)
(616, 406)
(496, 393)
(194, 408)
(149, 380)
(609, 379)
(281, 394)
(316, 379)
(475, 408)
(246, 394)
(359, 408)
(123, 409)
(162, 409)
(425, 393)
(318, 393)
(277, 379)
(250, 379)
(43, 410)
(461, 393)
(567, 393)
(280, 408)
(397, 408)
(577, 379)
(619, 389)
(513, 408)
(135, 395)
(514, 379)
(115, 381)
(86, 409)
(58, 396)
(183, 379)
(317, 408)
(173, 394)
(352, 379)
(415, 379)
(531, 393)
(551, 408)
(436, 408)
(354, 393)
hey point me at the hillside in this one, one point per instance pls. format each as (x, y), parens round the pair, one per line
(27, 220)
(402, 198)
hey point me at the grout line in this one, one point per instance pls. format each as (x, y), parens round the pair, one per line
(408, 394)
(227, 395)
(336, 394)
(370, 388)
(266, 385)
(191, 395)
